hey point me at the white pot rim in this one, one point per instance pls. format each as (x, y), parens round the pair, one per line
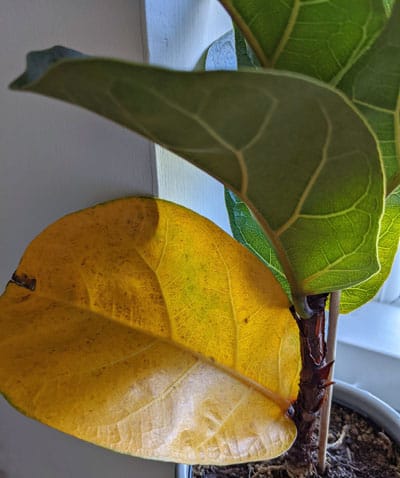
(360, 401)
(370, 406)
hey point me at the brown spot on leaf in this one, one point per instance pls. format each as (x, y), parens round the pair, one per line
(24, 280)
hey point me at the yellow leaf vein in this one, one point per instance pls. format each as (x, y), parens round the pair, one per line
(172, 388)
(232, 305)
(162, 255)
(230, 414)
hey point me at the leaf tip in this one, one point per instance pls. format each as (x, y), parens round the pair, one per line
(38, 62)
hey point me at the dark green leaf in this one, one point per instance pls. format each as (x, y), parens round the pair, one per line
(244, 54)
(295, 150)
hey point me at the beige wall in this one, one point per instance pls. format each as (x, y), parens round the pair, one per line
(55, 159)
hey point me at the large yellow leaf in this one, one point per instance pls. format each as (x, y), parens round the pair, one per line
(142, 327)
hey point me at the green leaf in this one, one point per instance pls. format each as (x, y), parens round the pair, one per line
(244, 54)
(248, 232)
(319, 38)
(371, 78)
(388, 244)
(220, 55)
(373, 84)
(295, 151)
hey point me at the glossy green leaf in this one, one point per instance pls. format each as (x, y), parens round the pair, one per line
(319, 38)
(373, 84)
(295, 150)
(246, 230)
(356, 296)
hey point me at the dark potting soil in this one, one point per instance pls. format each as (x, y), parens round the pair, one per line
(356, 449)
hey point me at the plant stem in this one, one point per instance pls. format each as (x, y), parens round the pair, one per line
(313, 377)
(330, 357)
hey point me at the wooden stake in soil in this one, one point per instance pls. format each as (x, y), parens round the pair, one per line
(313, 377)
(330, 357)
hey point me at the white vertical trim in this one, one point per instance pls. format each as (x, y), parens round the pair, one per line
(177, 37)
(146, 59)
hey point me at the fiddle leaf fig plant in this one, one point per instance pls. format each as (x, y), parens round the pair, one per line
(140, 326)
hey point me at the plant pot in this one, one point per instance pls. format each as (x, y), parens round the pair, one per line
(356, 399)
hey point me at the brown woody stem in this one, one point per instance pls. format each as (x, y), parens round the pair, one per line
(313, 377)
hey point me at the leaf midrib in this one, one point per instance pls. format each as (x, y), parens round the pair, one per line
(252, 40)
(282, 402)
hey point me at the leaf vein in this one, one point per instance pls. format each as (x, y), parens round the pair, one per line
(314, 177)
(206, 127)
(230, 414)
(288, 31)
(232, 306)
(168, 391)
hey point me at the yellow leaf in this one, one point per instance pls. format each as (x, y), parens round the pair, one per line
(142, 327)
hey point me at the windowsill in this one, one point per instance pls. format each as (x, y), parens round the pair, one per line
(375, 327)
(368, 352)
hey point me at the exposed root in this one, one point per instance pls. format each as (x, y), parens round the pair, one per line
(291, 470)
(339, 442)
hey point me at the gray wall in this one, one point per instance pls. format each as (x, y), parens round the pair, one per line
(55, 159)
